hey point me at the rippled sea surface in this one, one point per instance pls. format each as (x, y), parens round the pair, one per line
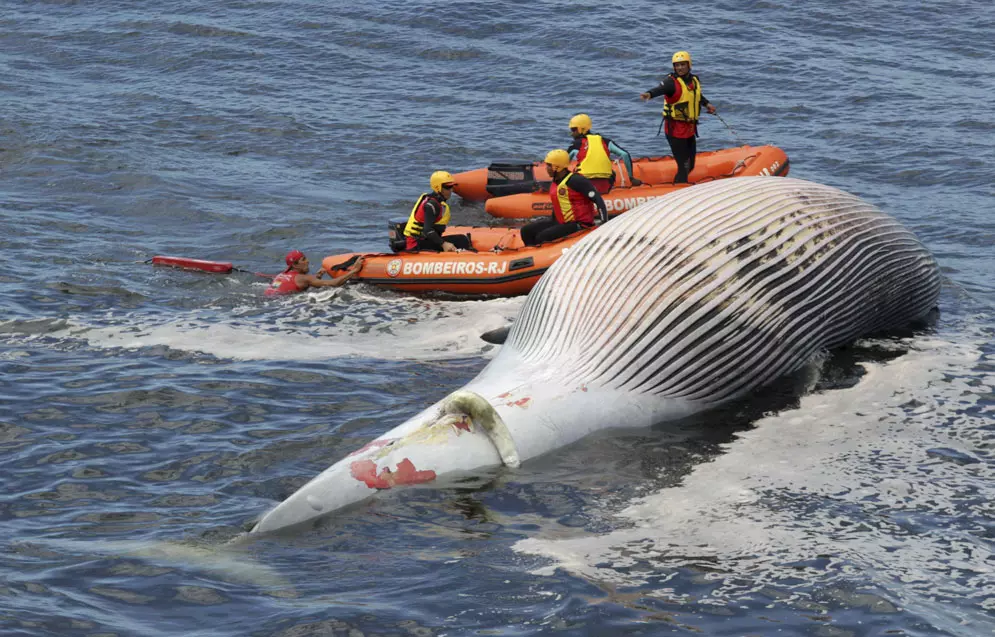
(148, 417)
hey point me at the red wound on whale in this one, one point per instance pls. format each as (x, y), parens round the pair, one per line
(366, 471)
(463, 423)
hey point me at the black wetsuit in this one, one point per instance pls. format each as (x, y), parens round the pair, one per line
(431, 236)
(544, 230)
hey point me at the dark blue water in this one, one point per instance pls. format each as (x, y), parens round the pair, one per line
(149, 416)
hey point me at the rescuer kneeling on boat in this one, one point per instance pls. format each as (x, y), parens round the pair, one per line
(683, 100)
(593, 153)
(296, 278)
(574, 199)
(430, 216)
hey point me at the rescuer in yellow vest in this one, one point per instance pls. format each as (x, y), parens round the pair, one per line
(430, 216)
(593, 154)
(576, 203)
(683, 100)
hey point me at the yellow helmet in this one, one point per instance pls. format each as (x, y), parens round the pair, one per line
(582, 122)
(558, 158)
(439, 179)
(681, 56)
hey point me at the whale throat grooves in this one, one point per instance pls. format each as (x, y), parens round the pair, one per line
(715, 290)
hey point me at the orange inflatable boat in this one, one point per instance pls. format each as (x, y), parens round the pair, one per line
(505, 179)
(502, 265)
(657, 174)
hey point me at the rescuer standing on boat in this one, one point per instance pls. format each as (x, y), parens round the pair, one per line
(574, 200)
(296, 278)
(682, 106)
(430, 216)
(593, 153)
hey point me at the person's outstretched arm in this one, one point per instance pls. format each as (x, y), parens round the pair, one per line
(665, 88)
(317, 282)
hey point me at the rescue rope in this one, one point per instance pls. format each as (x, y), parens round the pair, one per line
(739, 166)
(730, 129)
(505, 239)
(345, 264)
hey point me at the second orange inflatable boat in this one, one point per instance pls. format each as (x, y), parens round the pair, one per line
(503, 181)
(657, 175)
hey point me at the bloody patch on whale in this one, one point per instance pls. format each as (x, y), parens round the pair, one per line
(406, 473)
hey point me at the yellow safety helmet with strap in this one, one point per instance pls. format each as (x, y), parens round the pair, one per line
(439, 179)
(681, 56)
(558, 158)
(582, 122)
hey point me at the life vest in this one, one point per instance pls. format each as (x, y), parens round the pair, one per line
(284, 283)
(570, 205)
(593, 159)
(687, 107)
(416, 222)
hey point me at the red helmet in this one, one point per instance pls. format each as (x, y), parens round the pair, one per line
(293, 257)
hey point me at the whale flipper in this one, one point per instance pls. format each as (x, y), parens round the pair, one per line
(497, 336)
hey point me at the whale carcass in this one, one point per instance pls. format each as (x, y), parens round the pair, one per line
(682, 304)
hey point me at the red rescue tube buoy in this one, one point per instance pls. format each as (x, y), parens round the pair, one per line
(220, 267)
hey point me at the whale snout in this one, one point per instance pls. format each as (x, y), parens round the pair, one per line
(457, 436)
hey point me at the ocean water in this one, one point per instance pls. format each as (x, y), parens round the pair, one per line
(149, 416)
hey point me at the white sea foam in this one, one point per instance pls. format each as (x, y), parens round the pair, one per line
(847, 476)
(316, 326)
